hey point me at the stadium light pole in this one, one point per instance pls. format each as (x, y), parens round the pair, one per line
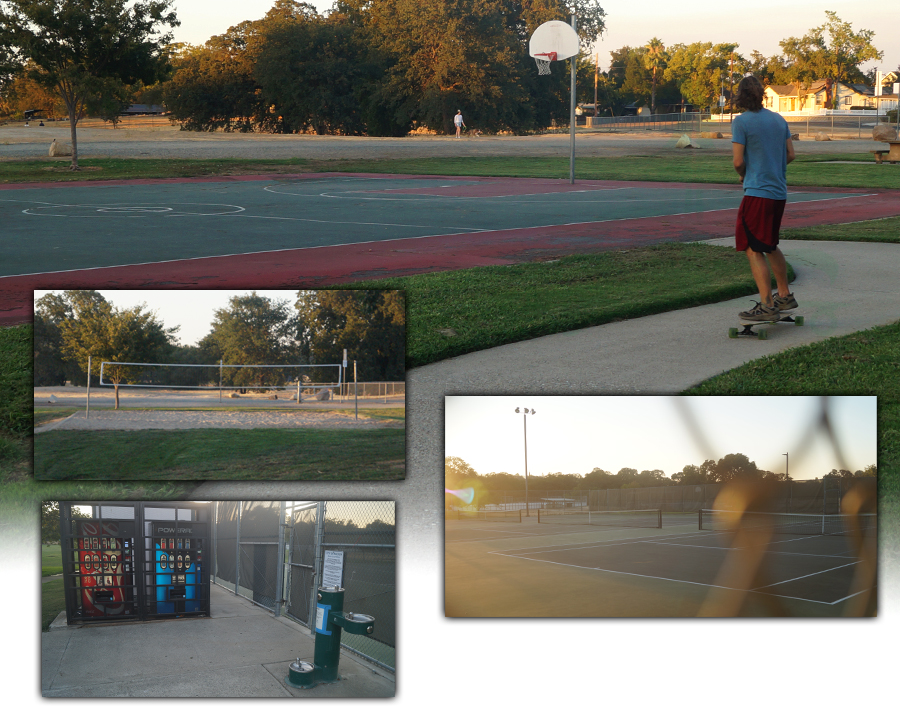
(525, 429)
(790, 486)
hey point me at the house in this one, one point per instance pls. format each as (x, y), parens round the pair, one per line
(800, 98)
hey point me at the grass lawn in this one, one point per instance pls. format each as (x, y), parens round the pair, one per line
(456, 312)
(874, 230)
(51, 560)
(15, 403)
(222, 454)
(53, 602)
(694, 166)
(43, 416)
(865, 363)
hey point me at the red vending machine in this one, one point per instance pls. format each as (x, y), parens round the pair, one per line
(105, 566)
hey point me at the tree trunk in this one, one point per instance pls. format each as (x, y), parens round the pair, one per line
(117, 397)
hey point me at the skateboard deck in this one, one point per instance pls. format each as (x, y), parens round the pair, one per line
(787, 317)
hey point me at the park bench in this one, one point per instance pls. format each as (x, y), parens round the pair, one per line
(893, 153)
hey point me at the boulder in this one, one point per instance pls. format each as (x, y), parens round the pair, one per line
(273, 397)
(712, 135)
(60, 149)
(234, 395)
(323, 395)
(795, 137)
(822, 137)
(884, 133)
(684, 142)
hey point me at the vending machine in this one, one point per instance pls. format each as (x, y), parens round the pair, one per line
(177, 566)
(134, 560)
(105, 567)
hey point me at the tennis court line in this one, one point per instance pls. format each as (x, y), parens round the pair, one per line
(674, 580)
(803, 577)
(768, 552)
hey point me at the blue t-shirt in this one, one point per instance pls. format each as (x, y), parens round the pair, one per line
(763, 134)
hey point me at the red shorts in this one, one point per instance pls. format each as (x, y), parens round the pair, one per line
(758, 222)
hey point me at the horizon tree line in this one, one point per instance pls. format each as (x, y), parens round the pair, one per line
(70, 326)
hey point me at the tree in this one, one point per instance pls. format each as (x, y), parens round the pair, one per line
(213, 86)
(313, 73)
(95, 329)
(736, 466)
(654, 60)
(700, 69)
(370, 324)
(835, 58)
(87, 49)
(254, 330)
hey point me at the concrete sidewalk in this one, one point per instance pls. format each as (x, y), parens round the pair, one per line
(842, 287)
(240, 651)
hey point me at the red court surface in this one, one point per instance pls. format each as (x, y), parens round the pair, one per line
(401, 225)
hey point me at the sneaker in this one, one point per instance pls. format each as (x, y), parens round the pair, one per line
(785, 303)
(761, 312)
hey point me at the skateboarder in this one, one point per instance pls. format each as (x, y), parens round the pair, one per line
(762, 148)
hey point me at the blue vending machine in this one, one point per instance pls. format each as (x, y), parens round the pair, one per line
(178, 565)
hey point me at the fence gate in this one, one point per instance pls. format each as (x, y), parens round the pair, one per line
(301, 573)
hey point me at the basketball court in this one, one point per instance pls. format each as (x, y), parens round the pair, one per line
(312, 230)
(538, 570)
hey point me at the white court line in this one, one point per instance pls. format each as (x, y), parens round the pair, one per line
(670, 580)
(803, 577)
(363, 243)
(767, 552)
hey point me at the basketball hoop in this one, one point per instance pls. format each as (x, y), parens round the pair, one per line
(544, 64)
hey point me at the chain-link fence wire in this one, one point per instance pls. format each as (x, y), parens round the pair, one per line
(247, 561)
(366, 534)
(259, 560)
(836, 126)
(246, 549)
(373, 389)
(745, 565)
(301, 562)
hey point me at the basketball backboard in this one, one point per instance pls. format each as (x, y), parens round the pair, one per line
(556, 37)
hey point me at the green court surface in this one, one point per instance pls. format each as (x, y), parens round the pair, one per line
(86, 225)
(540, 570)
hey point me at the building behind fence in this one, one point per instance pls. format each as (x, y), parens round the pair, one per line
(273, 553)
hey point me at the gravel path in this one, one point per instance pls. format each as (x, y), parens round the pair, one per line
(18, 142)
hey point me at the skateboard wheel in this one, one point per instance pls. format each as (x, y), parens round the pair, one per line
(732, 333)
(798, 320)
(763, 334)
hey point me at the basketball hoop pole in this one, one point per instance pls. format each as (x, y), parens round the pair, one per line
(572, 62)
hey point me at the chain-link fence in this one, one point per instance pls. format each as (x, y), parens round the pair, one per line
(274, 553)
(388, 390)
(789, 496)
(835, 125)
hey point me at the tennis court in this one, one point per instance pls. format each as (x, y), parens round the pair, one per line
(605, 568)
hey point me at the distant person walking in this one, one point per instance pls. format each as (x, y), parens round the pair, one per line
(762, 149)
(458, 122)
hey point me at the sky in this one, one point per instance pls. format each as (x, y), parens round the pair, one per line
(759, 26)
(575, 434)
(192, 310)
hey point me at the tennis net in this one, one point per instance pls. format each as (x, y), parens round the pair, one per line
(616, 518)
(788, 523)
(493, 516)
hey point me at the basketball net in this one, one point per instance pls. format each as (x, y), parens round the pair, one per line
(544, 64)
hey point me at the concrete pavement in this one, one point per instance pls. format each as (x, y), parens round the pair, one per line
(240, 651)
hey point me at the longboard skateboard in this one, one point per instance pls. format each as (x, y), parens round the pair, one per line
(762, 333)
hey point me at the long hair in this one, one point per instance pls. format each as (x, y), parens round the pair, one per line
(750, 94)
